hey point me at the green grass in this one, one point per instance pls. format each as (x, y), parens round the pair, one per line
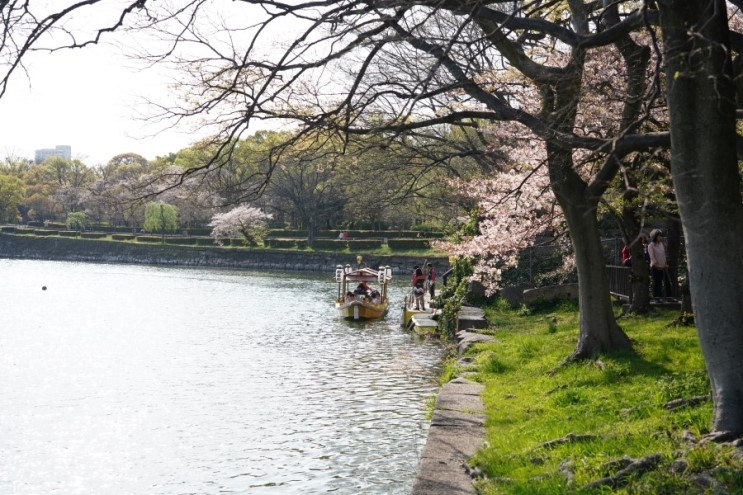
(617, 401)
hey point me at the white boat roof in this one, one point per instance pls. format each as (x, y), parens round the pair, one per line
(364, 274)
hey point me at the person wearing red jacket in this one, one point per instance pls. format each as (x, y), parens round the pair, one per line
(419, 282)
(626, 255)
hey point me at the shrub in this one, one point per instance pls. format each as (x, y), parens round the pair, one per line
(119, 229)
(355, 245)
(204, 241)
(149, 238)
(68, 233)
(8, 229)
(381, 234)
(332, 244)
(181, 240)
(281, 243)
(288, 233)
(45, 232)
(93, 235)
(404, 244)
(199, 232)
(353, 234)
(122, 237)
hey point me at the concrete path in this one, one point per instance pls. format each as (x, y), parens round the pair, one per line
(458, 425)
(457, 431)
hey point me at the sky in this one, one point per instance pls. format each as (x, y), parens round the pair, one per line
(94, 99)
(90, 99)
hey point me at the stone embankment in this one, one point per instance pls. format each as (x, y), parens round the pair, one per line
(458, 425)
(64, 249)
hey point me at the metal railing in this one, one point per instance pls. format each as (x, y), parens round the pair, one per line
(620, 283)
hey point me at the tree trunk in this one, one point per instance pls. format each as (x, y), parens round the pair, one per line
(673, 253)
(701, 101)
(640, 271)
(311, 232)
(687, 311)
(598, 329)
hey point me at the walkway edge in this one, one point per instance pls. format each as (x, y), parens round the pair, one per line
(457, 428)
(456, 433)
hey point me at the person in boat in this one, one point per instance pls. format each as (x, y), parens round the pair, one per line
(350, 296)
(376, 297)
(419, 282)
(363, 289)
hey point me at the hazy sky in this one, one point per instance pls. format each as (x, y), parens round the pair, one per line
(93, 99)
(89, 99)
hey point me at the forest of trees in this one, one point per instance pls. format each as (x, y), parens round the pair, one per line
(604, 105)
(308, 189)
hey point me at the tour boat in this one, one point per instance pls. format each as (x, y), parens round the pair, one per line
(356, 299)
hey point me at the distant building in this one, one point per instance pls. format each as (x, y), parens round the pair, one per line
(62, 151)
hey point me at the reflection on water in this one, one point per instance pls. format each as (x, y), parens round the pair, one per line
(138, 380)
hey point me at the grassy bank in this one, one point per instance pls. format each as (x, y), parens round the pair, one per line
(603, 426)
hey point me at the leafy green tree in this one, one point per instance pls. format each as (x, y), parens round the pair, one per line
(160, 217)
(76, 220)
(12, 193)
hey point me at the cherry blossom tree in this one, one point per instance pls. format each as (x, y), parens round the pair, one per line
(514, 209)
(246, 221)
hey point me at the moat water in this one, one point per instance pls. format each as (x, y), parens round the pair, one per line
(122, 379)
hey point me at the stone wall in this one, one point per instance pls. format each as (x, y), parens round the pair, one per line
(64, 249)
(551, 293)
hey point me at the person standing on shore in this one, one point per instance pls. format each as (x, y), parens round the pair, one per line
(626, 255)
(658, 264)
(418, 282)
(431, 278)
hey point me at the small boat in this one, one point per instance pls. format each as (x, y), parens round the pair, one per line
(421, 321)
(356, 299)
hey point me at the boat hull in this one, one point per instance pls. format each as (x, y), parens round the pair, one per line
(360, 310)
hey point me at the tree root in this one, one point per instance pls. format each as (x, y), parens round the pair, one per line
(638, 466)
(684, 320)
(689, 401)
(723, 437)
(574, 358)
(570, 437)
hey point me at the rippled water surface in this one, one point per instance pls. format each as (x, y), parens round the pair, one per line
(143, 380)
